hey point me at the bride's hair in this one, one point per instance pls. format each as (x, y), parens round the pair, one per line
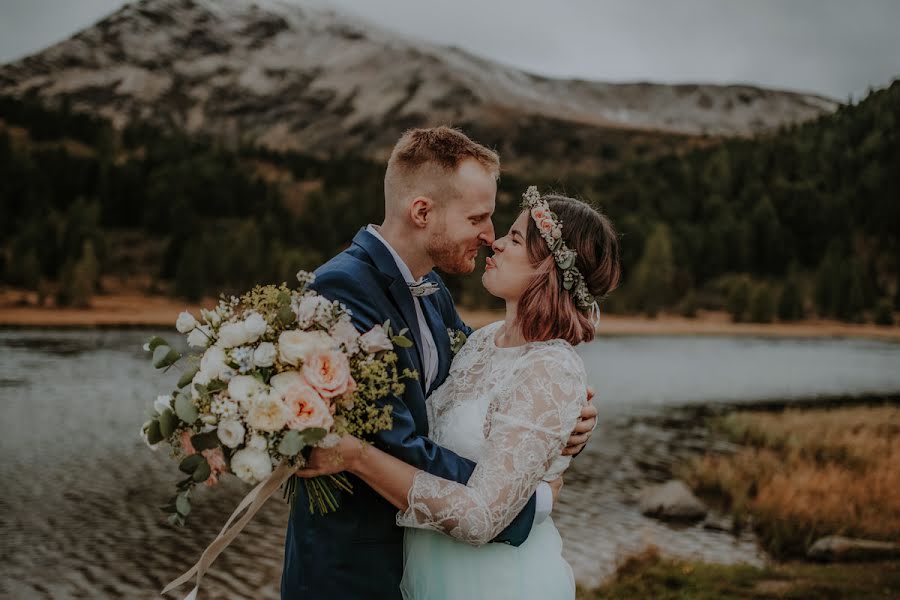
(546, 309)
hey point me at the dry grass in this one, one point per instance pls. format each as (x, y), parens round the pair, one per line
(807, 473)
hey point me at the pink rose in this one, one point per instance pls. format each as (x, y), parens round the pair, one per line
(307, 408)
(186, 444)
(546, 226)
(217, 465)
(328, 372)
(538, 213)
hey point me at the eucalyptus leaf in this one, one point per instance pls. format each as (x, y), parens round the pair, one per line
(285, 315)
(202, 472)
(164, 356)
(216, 385)
(568, 262)
(185, 409)
(284, 298)
(156, 341)
(182, 505)
(401, 341)
(313, 436)
(167, 423)
(290, 444)
(154, 435)
(190, 463)
(176, 519)
(568, 283)
(205, 441)
(187, 376)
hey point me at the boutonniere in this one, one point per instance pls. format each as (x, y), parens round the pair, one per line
(457, 339)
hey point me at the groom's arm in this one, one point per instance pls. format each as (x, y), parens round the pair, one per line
(402, 440)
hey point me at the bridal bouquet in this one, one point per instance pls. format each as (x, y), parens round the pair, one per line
(278, 371)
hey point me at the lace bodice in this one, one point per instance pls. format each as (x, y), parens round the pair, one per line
(511, 411)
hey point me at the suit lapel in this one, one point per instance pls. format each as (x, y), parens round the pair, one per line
(398, 291)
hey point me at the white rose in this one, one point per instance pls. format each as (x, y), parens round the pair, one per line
(255, 326)
(213, 364)
(306, 309)
(199, 337)
(258, 442)
(231, 433)
(209, 419)
(345, 333)
(282, 382)
(233, 334)
(185, 322)
(251, 466)
(265, 354)
(268, 412)
(243, 388)
(162, 403)
(374, 340)
(293, 346)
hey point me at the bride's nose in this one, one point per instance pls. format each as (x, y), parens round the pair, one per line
(498, 244)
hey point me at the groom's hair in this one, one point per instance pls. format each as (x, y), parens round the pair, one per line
(424, 160)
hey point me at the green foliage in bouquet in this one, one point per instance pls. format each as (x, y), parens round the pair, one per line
(281, 371)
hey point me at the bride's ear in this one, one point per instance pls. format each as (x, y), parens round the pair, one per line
(421, 210)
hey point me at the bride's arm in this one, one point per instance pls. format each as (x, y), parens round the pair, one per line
(529, 429)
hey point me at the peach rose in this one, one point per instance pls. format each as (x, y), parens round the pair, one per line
(217, 464)
(328, 372)
(307, 408)
(186, 444)
(538, 213)
(546, 226)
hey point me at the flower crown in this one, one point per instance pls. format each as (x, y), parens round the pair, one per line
(550, 228)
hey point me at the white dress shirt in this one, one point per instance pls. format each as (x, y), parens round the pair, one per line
(543, 495)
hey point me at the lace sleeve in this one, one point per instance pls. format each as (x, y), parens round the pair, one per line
(529, 425)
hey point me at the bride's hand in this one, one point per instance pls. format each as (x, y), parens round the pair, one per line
(327, 461)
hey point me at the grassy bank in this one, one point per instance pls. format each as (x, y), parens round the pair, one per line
(648, 577)
(802, 474)
(797, 474)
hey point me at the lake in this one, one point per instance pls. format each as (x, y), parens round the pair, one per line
(79, 508)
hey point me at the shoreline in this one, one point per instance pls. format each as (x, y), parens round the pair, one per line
(131, 310)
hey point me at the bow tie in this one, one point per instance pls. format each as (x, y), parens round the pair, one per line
(423, 288)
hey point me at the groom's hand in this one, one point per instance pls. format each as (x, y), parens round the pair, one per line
(584, 428)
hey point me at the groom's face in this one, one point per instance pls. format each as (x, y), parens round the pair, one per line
(464, 223)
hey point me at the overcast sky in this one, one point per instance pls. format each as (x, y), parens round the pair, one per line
(837, 48)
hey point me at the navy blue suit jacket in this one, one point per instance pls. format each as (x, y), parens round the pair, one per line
(356, 553)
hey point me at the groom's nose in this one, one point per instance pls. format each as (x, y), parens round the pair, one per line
(487, 236)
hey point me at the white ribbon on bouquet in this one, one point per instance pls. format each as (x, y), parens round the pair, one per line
(252, 502)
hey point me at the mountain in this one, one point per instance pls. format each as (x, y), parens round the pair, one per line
(306, 78)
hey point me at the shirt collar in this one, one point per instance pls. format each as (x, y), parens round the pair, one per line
(404, 270)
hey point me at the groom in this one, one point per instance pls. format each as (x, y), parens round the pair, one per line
(439, 192)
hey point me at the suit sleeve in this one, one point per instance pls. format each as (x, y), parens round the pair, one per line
(402, 440)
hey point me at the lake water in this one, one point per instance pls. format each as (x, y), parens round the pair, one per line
(79, 513)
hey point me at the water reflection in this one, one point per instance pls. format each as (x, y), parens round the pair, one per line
(79, 511)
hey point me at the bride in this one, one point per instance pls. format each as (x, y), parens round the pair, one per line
(511, 399)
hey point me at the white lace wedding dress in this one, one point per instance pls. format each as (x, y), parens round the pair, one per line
(511, 411)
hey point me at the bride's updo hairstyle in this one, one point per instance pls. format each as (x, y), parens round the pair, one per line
(546, 310)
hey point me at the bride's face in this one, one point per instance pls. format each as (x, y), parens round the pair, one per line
(509, 271)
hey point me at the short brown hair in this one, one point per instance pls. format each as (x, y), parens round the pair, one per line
(443, 145)
(546, 309)
(423, 159)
